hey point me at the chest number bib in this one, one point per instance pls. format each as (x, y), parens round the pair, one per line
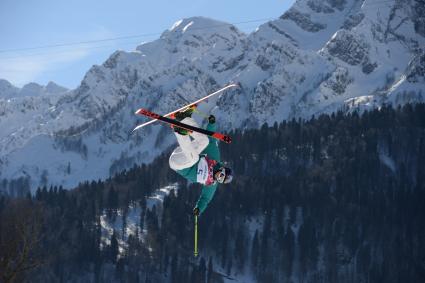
(204, 175)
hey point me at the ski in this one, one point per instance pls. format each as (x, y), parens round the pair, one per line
(187, 106)
(216, 135)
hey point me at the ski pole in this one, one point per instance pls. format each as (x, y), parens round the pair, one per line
(196, 236)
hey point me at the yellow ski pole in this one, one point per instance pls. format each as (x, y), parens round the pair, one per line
(196, 236)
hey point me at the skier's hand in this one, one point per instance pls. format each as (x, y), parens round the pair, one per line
(211, 119)
(196, 211)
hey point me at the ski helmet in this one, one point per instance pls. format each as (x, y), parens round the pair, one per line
(229, 175)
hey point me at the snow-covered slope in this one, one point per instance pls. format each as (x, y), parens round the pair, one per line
(319, 56)
(327, 54)
(126, 223)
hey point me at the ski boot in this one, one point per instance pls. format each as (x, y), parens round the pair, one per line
(179, 116)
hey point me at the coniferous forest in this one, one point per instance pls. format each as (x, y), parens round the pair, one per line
(338, 198)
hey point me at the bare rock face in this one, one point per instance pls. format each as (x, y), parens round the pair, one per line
(419, 17)
(320, 6)
(303, 20)
(416, 69)
(348, 48)
(338, 4)
(353, 20)
(339, 81)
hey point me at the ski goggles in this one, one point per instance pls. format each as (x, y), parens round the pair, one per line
(221, 175)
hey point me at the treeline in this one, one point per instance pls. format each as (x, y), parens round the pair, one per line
(338, 198)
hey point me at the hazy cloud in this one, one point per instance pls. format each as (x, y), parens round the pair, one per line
(23, 67)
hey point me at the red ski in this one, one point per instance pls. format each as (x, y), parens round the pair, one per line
(219, 136)
(188, 105)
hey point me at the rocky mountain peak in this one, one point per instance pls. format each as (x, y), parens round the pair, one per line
(53, 88)
(31, 89)
(200, 27)
(7, 90)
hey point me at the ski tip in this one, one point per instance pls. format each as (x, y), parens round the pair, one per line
(142, 111)
(234, 84)
(136, 128)
(226, 139)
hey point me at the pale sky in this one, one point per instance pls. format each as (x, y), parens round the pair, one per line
(26, 24)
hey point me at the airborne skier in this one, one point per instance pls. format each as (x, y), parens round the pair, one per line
(197, 158)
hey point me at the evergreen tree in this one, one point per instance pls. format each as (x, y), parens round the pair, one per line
(210, 270)
(175, 276)
(255, 252)
(240, 251)
(114, 248)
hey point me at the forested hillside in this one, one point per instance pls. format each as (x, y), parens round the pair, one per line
(338, 198)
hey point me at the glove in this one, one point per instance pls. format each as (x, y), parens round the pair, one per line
(211, 119)
(196, 211)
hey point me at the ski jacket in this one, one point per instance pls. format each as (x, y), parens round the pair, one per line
(212, 154)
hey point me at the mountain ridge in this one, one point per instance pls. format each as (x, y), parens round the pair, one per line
(8, 90)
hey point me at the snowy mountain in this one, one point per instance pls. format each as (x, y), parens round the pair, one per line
(318, 57)
(7, 90)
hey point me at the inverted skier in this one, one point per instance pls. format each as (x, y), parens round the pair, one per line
(197, 158)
